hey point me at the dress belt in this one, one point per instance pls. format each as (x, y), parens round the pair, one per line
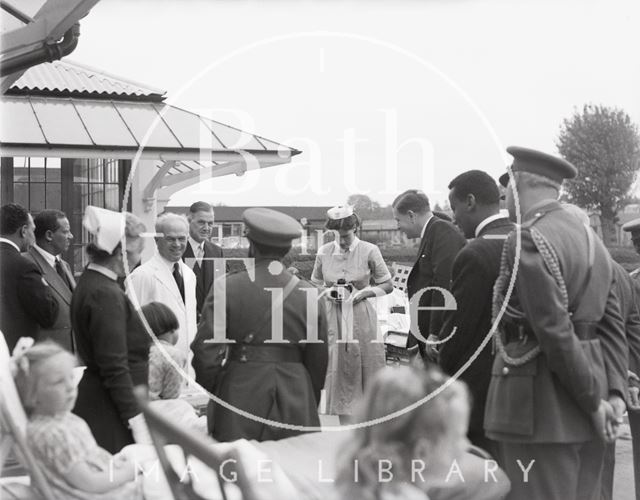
(264, 353)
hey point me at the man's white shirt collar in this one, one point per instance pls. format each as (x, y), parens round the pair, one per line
(170, 264)
(487, 221)
(195, 245)
(424, 228)
(51, 259)
(11, 243)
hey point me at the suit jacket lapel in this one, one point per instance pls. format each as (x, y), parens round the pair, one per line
(423, 241)
(421, 249)
(52, 276)
(189, 258)
(207, 267)
(67, 271)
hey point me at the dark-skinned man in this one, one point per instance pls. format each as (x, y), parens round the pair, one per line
(53, 238)
(475, 201)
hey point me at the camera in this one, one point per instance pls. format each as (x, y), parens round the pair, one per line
(341, 290)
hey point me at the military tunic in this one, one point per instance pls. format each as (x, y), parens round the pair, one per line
(286, 392)
(540, 409)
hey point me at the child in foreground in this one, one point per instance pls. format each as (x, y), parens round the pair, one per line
(165, 363)
(61, 442)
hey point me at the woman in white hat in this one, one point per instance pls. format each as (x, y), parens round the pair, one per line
(352, 271)
(110, 339)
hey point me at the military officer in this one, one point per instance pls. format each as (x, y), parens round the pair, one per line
(554, 370)
(633, 227)
(271, 370)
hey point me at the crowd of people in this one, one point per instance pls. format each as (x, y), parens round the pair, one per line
(526, 311)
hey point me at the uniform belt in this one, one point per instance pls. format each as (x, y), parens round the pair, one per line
(586, 330)
(264, 353)
(519, 332)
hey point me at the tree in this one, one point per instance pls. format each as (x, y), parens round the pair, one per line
(604, 145)
(362, 204)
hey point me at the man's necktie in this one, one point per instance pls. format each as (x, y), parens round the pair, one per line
(178, 277)
(62, 274)
(197, 259)
(199, 255)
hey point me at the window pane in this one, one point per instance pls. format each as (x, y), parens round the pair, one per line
(80, 198)
(97, 195)
(20, 174)
(21, 193)
(36, 174)
(20, 161)
(112, 171)
(36, 197)
(54, 198)
(53, 169)
(37, 161)
(80, 171)
(95, 170)
(111, 197)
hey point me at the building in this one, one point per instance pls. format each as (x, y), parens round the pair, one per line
(72, 135)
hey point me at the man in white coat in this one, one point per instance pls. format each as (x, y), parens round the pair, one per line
(166, 278)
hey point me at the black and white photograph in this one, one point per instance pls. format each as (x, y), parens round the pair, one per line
(319, 249)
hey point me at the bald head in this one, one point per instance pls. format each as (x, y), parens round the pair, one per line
(173, 233)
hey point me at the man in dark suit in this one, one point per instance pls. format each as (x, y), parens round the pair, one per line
(440, 243)
(53, 237)
(555, 378)
(200, 251)
(26, 301)
(475, 200)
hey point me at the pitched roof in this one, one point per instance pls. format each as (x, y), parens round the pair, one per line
(32, 123)
(70, 79)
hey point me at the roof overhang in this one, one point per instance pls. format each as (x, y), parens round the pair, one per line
(65, 127)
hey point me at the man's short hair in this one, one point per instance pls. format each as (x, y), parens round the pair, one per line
(527, 179)
(12, 218)
(168, 217)
(271, 251)
(47, 220)
(200, 206)
(478, 183)
(412, 199)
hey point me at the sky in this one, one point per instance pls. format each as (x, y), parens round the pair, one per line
(381, 96)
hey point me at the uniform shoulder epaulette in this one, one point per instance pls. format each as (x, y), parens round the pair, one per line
(536, 217)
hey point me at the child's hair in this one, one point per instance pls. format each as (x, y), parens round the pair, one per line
(27, 373)
(392, 390)
(161, 319)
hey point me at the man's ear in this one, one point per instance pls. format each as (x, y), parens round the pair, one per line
(48, 235)
(471, 202)
(23, 231)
